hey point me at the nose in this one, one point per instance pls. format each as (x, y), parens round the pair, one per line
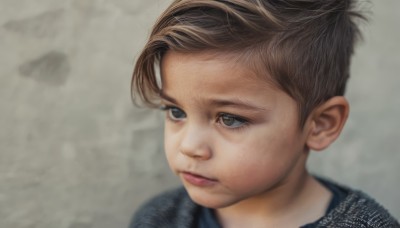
(195, 142)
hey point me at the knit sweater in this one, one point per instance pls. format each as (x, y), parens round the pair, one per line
(175, 209)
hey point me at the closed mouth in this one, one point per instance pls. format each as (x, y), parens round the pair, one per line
(198, 176)
(197, 180)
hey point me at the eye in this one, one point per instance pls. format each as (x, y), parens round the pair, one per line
(231, 121)
(174, 113)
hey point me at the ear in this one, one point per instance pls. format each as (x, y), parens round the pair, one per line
(326, 122)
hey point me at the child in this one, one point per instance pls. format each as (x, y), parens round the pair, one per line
(249, 87)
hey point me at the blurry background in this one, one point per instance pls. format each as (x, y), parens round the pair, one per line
(75, 153)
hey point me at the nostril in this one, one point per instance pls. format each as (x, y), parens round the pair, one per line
(201, 153)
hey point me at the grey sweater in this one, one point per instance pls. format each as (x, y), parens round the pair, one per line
(175, 209)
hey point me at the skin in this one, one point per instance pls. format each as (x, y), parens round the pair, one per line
(234, 140)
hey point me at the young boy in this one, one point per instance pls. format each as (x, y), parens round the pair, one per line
(250, 87)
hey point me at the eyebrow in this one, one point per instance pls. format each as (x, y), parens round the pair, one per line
(165, 96)
(236, 103)
(219, 102)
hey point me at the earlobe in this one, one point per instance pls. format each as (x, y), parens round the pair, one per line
(326, 122)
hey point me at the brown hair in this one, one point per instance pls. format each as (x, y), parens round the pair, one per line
(303, 46)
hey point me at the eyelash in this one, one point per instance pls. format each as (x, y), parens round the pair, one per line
(244, 121)
(167, 108)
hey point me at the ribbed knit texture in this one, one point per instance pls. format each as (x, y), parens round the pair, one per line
(175, 209)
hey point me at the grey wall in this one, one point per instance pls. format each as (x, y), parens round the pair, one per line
(74, 152)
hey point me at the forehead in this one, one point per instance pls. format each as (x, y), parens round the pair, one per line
(217, 65)
(202, 77)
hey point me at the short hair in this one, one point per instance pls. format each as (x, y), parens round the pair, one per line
(302, 46)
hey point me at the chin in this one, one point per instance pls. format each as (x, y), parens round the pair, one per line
(210, 200)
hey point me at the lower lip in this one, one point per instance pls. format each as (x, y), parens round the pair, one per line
(198, 180)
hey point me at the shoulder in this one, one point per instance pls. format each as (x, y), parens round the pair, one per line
(358, 210)
(170, 209)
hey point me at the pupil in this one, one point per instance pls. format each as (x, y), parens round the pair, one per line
(176, 113)
(228, 120)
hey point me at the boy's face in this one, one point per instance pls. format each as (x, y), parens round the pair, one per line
(229, 134)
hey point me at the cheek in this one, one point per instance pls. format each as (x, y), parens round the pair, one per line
(257, 160)
(170, 146)
(251, 176)
(245, 159)
(170, 136)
